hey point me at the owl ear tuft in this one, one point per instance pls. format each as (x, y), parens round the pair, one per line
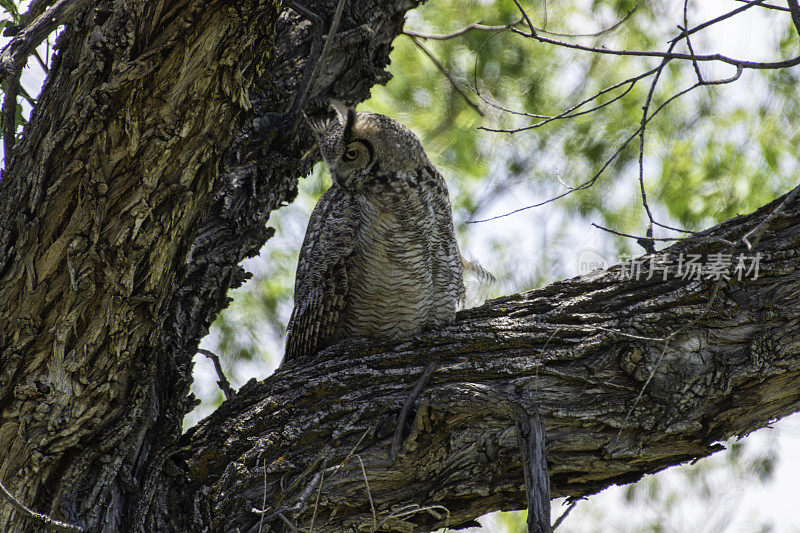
(318, 127)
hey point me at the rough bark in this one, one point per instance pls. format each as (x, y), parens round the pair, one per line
(158, 148)
(149, 169)
(579, 351)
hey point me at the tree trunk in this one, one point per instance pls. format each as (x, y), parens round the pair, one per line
(120, 237)
(158, 149)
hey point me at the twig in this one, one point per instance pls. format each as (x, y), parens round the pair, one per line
(720, 18)
(289, 524)
(673, 55)
(564, 514)
(637, 237)
(526, 19)
(794, 9)
(398, 430)
(369, 495)
(40, 518)
(41, 61)
(674, 228)
(588, 183)
(481, 27)
(595, 34)
(308, 84)
(447, 74)
(648, 242)
(766, 6)
(263, 499)
(756, 233)
(412, 509)
(568, 113)
(474, 26)
(319, 491)
(16, 52)
(223, 381)
(689, 39)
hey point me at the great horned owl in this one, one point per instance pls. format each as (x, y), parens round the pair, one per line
(379, 258)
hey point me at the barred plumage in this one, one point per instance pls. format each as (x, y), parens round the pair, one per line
(379, 257)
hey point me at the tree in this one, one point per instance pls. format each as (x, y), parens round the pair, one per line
(163, 138)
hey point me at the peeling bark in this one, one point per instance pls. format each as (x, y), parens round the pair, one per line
(148, 172)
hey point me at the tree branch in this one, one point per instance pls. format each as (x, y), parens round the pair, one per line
(17, 51)
(578, 352)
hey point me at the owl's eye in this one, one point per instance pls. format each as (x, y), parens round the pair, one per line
(350, 155)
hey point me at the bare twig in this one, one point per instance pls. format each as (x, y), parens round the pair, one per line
(478, 26)
(477, 57)
(674, 228)
(672, 55)
(447, 74)
(223, 382)
(41, 61)
(720, 18)
(16, 53)
(755, 234)
(766, 6)
(642, 128)
(568, 113)
(564, 514)
(263, 499)
(637, 237)
(369, 494)
(316, 500)
(474, 26)
(39, 518)
(794, 9)
(588, 183)
(414, 508)
(307, 83)
(398, 431)
(289, 524)
(594, 34)
(526, 19)
(695, 64)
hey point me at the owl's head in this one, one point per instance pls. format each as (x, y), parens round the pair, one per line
(360, 147)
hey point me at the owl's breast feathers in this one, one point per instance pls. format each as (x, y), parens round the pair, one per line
(380, 263)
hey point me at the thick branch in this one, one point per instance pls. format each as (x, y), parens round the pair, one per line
(578, 351)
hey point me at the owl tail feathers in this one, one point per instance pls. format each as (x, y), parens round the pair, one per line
(476, 284)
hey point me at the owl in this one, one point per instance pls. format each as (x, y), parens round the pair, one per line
(379, 258)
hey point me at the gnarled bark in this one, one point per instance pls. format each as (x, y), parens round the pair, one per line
(158, 149)
(120, 236)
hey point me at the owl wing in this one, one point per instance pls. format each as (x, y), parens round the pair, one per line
(321, 284)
